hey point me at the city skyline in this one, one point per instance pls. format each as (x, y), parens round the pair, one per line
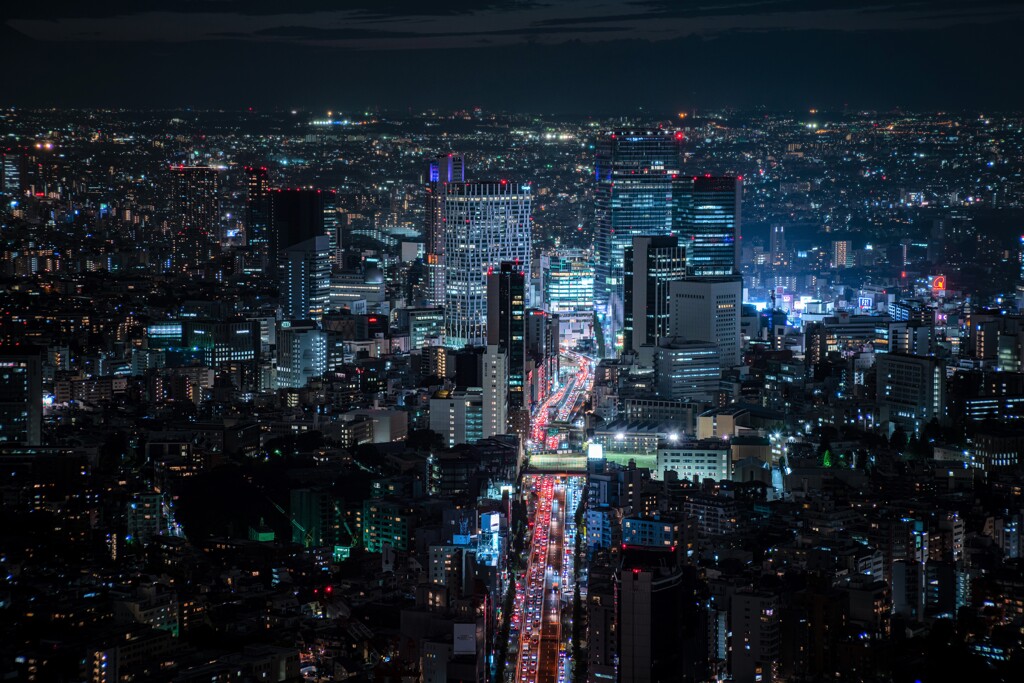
(515, 341)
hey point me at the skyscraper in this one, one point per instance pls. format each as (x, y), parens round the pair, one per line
(301, 353)
(633, 197)
(567, 284)
(506, 307)
(651, 263)
(21, 395)
(506, 326)
(708, 309)
(10, 172)
(441, 171)
(296, 215)
(257, 208)
(778, 245)
(195, 202)
(496, 391)
(707, 218)
(485, 223)
(306, 279)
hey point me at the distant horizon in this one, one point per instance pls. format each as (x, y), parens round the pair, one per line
(783, 56)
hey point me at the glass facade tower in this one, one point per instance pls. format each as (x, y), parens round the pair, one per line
(485, 223)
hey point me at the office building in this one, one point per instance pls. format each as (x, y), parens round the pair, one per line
(220, 343)
(651, 264)
(21, 396)
(633, 197)
(296, 215)
(10, 172)
(426, 327)
(708, 309)
(457, 415)
(496, 391)
(195, 203)
(506, 325)
(707, 220)
(257, 209)
(687, 370)
(651, 616)
(305, 279)
(301, 353)
(486, 223)
(911, 391)
(694, 460)
(441, 171)
(567, 288)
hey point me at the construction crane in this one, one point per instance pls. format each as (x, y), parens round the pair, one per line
(307, 536)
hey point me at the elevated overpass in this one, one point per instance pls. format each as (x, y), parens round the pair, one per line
(556, 463)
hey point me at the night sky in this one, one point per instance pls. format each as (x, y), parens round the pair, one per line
(573, 56)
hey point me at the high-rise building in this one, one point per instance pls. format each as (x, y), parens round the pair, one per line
(496, 391)
(195, 202)
(457, 415)
(778, 245)
(708, 309)
(841, 253)
(687, 370)
(911, 391)
(506, 325)
(567, 286)
(305, 279)
(441, 171)
(755, 646)
(21, 395)
(257, 209)
(707, 218)
(633, 196)
(425, 326)
(221, 342)
(10, 172)
(301, 353)
(332, 225)
(485, 223)
(296, 215)
(651, 264)
(653, 616)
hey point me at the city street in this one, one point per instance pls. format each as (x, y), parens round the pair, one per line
(541, 611)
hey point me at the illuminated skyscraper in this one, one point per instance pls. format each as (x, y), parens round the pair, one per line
(306, 279)
(651, 263)
(485, 223)
(10, 172)
(257, 208)
(708, 309)
(567, 283)
(633, 197)
(841, 252)
(506, 326)
(441, 171)
(496, 391)
(707, 219)
(195, 203)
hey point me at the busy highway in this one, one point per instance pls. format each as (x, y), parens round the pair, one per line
(541, 609)
(562, 404)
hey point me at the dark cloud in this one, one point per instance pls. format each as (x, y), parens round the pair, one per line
(570, 55)
(384, 8)
(316, 33)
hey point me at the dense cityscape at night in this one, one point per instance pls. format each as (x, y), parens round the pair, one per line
(418, 392)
